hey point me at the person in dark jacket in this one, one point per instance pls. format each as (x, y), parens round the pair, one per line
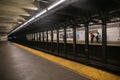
(97, 37)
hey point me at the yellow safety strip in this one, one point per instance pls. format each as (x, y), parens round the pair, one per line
(84, 70)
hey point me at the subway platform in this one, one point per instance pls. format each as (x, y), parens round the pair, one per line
(18, 62)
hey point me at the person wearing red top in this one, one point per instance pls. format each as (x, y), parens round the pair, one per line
(92, 37)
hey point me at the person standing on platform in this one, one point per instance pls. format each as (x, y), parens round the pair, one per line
(97, 37)
(92, 37)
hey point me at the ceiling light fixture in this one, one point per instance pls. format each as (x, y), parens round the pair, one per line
(40, 13)
(58, 2)
(55, 4)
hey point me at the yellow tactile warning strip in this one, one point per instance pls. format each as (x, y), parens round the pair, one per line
(87, 71)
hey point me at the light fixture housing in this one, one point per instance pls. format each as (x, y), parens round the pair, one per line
(55, 4)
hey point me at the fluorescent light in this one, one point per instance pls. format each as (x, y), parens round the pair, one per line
(19, 27)
(42, 12)
(56, 4)
(39, 14)
(15, 29)
(31, 19)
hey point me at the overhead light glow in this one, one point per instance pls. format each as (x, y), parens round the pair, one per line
(31, 19)
(56, 4)
(39, 14)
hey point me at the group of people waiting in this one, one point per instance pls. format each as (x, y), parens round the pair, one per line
(97, 36)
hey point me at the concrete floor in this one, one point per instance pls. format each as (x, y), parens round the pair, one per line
(84, 70)
(18, 64)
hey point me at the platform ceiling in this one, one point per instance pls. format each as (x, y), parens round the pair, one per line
(15, 12)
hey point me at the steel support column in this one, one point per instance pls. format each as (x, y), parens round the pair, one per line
(47, 36)
(43, 36)
(104, 39)
(47, 39)
(43, 44)
(40, 36)
(51, 40)
(64, 39)
(57, 40)
(74, 39)
(39, 39)
(87, 42)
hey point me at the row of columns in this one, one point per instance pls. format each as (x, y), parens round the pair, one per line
(104, 40)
